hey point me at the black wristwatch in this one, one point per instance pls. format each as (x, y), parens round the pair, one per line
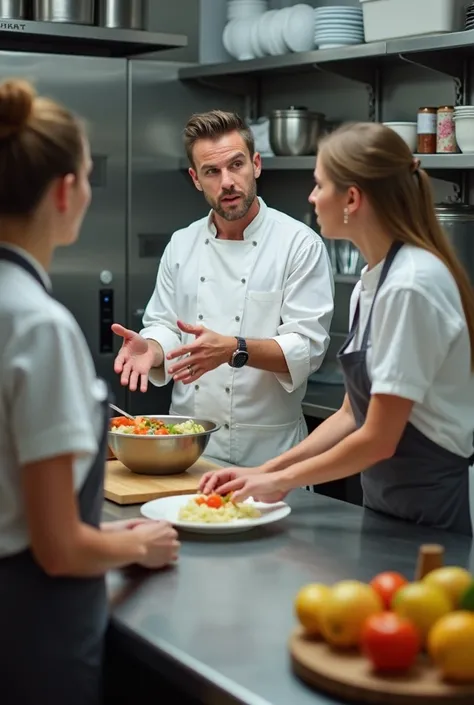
(240, 356)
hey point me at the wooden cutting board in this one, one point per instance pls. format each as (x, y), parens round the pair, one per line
(348, 675)
(125, 487)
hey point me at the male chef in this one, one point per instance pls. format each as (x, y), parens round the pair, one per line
(242, 306)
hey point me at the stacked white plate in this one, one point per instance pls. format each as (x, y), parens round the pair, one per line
(272, 33)
(338, 26)
(464, 127)
(245, 9)
(469, 16)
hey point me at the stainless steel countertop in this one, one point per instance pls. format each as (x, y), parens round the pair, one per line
(218, 623)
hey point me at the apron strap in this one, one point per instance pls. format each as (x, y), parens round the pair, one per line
(392, 253)
(8, 255)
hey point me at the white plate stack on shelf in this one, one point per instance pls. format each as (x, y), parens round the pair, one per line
(469, 16)
(464, 128)
(261, 33)
(338, 26)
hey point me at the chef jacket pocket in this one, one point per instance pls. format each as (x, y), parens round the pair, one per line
(255, 444)
(262, 313)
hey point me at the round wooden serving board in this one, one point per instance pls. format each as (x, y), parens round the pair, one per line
(348, 675)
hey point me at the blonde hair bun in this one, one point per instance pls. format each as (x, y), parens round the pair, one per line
(16, 106)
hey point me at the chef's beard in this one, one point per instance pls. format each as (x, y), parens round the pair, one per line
(236, 212)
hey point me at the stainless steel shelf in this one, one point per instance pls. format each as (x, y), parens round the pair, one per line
(439, 52)
(428, 161)
(62, 38)
(287, 63)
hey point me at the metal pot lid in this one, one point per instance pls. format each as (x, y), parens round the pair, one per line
(454, 211)
(300, 112)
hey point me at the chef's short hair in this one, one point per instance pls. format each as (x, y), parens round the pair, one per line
(215, 124)
(40, 141)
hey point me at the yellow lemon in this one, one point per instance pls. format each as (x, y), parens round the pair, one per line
(452, 579)
(346, 610)
(422, 604)
(451, 646)
(308, 604)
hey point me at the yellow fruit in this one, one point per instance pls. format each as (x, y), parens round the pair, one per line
(346, 610)
(451, 646)
(308, 604)
(452, 579)
(422, 604)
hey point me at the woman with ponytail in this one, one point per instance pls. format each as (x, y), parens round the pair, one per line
(407, 420)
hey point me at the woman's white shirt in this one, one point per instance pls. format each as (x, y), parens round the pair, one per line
(419, 346)
(50, 395)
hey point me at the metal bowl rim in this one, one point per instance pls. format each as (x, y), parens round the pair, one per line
(167, 438)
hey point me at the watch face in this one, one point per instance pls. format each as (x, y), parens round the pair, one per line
(240, 358)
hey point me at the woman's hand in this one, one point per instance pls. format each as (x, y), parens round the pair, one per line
(123, 524)
(213, 480)
(161, 542)
(267, 487)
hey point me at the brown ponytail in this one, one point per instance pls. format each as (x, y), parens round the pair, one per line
(374, 158)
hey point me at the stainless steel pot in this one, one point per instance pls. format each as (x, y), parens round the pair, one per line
(295, 132)
(73, 11)
(13, 9)
(457, 220)
(124, 14)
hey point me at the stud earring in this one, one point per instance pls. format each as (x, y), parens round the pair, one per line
(346, 216)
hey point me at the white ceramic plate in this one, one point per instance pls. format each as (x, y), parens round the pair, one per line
(168, 508)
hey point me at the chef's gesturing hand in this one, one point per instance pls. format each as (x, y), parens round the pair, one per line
(135, 358)
(208, 351)
(267, 487)
(161, 543)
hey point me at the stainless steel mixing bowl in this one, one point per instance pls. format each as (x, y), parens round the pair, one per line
(162, 455)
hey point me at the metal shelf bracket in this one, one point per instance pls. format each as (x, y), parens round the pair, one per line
(447, 63)
(359, 73)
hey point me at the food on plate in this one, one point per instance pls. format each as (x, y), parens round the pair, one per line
(345, 611)
(453, 580)
(451, 646)
(386, 585)
(390, 642)
(215, 509)
(422, 604)
(146, 426)
(309, 603)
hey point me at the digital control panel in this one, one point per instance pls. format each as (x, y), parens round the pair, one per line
(106, 318)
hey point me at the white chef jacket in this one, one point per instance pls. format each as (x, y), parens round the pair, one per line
(419, 345)
(49, 393)
(275, 283)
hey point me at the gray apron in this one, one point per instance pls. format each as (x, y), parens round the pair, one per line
(52, 629)
(423, 482)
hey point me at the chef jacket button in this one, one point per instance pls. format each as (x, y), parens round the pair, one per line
(200, 316)
(227, 389)
(243, 281)
(226, 425)
(237, 318)
(206, 241)
(196, 387)
(254, 243)
(203, 279)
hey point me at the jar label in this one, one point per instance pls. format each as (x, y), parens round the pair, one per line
(426, 124)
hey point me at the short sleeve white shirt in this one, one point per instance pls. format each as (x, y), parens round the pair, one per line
(419, 346)
(50, 396)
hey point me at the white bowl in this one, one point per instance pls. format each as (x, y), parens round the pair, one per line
(465, 134)
(298, 31)
(264, 30)
(407, 131)
(240, 40)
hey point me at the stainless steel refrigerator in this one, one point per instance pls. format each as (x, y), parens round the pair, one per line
(135, 111)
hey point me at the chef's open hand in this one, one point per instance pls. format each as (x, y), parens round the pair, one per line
(161, 542)
(208, 351)
(135, 358)
(267, 487)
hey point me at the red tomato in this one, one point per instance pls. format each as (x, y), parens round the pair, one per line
(162, 432)
(215, 501)
(392, 643)
(200, 500)
(386, 585)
